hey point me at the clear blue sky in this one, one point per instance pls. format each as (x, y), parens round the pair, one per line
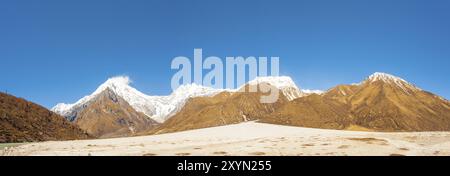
(58, 51)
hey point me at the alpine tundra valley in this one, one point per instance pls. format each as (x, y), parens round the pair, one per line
(381, 115)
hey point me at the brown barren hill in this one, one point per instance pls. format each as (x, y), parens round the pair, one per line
(223, 109)
(312, 111)
(381, 103)
(24, 121)
(109, 115)
(387, 103)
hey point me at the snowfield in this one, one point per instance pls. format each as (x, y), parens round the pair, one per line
(250, 139)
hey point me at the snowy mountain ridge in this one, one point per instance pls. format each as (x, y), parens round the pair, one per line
(391, 79)
(156, 107)
(286, 85)
(160, 108)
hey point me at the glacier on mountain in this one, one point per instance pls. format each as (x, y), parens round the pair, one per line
(156, 107)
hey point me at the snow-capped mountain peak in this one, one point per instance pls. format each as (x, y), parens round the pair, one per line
(284, 83)
(391, 79)
(159, 108)
(379, 76)
(120, 85)
(115, 83)
(61, 108)
(194, 90)
(308, 91)
(279, 82)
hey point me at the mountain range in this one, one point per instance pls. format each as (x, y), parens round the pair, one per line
(381, 102)
(116, 109)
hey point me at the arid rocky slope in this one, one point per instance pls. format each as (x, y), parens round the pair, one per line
(382, 102)
(24, 121)
(222, 109)
(109, 115)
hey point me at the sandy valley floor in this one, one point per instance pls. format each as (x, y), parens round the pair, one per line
(251, 138)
